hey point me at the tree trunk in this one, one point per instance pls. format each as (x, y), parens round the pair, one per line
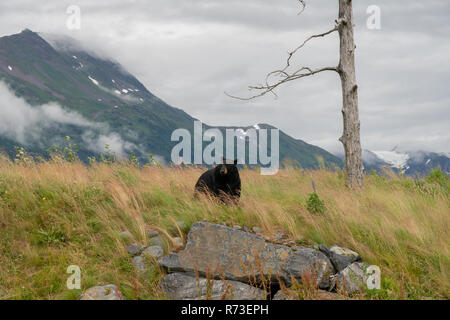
(351, 136)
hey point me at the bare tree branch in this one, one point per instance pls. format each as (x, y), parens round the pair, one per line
(290, 54)
(283, 75)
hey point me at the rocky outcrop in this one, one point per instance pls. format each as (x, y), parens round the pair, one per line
(184, 287)
(219, 251)
(221, 262)
(106, 292)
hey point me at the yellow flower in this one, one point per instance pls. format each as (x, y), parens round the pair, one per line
(44, 198)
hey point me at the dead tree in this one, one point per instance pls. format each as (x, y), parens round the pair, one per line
(346, 70)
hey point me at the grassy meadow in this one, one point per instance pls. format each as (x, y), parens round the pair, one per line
(54, 214)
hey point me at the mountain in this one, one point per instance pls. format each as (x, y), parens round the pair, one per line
(409, 162)
(63, 90)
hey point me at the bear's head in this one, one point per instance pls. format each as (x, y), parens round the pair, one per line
(227, 170)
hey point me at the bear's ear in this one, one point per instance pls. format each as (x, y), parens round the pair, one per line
(235, 161)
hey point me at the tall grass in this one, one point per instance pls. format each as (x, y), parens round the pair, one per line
(57, 213)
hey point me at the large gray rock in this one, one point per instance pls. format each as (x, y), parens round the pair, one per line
(350, 280)
(106, 292)
(179, 286)
(239, 255)
(340, 257)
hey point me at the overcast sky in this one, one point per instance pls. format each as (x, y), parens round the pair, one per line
(188, 52)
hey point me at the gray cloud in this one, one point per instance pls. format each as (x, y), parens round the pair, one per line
(188, 52)
(25, 124)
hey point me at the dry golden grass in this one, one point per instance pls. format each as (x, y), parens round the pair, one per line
(53, 215)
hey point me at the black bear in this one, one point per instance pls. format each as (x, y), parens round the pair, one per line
(222, 181)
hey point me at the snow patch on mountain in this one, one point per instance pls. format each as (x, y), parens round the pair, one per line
(93, 80)
(393, 158)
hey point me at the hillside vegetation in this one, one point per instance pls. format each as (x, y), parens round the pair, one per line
(54, 214)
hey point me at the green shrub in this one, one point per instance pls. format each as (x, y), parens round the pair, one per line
(314, 204)
(64, 153)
